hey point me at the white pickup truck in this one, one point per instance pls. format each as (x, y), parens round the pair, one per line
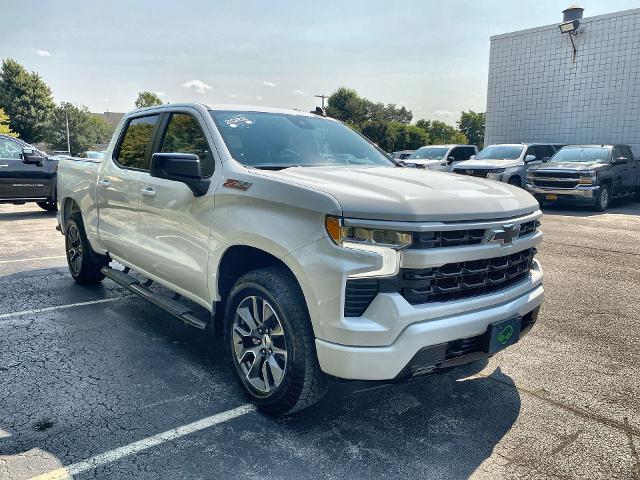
(316, 255)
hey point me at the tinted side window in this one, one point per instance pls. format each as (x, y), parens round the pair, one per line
(544, 151)
(617, 152)
(530, 151)
(136, 143)
(10, 149)
(626, 151)
(469, 151)
(184, 135)
(459, 153)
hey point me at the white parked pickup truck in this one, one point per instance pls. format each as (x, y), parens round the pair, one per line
(317, 256)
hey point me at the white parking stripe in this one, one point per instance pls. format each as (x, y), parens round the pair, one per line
(135, 447)
(32, 259)
(57, 307)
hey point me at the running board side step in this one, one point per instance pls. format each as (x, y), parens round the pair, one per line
(174, 307)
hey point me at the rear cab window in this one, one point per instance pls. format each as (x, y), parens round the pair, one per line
(135, 147)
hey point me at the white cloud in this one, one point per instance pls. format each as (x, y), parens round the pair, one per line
(161, 94)
(197, 85)
(259, 98)
(40, 52)
(233, 95)
(445, 113)
(302, 93)
(269, 84)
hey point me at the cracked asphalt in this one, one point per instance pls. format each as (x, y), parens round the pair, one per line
(562, 403)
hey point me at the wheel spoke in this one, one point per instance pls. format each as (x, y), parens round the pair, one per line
(256, 311)
(280, 352)
(277, 371)
(265, 376)
(243, 333)
(245, 314)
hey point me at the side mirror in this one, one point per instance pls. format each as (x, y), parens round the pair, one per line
(546, 159)
(619, 161)
(451, 159)
(180, 167)
(529, 158)
(30, 157)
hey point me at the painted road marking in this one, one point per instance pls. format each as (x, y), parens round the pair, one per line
(144, 444)
(32, 259)
(57, 307)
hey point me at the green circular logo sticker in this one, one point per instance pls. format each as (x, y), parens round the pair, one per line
(505, 334)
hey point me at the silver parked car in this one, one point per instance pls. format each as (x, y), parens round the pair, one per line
(507, 162)
(441, 157)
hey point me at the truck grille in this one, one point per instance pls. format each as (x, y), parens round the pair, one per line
(568, 183)
(452, 281)
(458, 238)
(472, 173)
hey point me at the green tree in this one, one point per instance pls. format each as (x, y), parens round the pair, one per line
(441, 133)
(346, 105)
(86, 131)
(4, 125)
(26, 99)
(472, 125)
(147, 99)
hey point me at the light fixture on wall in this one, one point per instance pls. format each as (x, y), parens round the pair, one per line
(571, 25)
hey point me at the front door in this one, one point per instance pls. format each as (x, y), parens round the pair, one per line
(119, 188)
(174, 224)
(19, 180)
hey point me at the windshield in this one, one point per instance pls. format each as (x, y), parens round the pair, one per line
(500, 152)
(277, 140)
(429, 153)
(582, 154)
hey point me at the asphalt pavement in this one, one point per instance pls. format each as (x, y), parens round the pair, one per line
(97, 383)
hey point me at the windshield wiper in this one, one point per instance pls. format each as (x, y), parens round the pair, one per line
(273, 166)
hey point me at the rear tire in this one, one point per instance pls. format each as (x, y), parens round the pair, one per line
(84, 263)
(270, 344)
(48, 206)
(602, 199)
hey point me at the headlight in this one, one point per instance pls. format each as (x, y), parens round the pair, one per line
(384, 243)
(356, 237)
(587, 178)
(496, 170)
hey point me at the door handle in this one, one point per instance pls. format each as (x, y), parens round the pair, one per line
(148, 192)
(104, 183)
(3, 165)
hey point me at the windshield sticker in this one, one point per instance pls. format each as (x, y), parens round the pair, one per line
(237, 121)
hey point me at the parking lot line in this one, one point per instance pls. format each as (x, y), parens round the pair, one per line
(31, 259)
(57, 307)
(135, 447)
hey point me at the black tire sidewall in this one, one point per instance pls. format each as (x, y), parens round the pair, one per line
(599, 206)
(89, 269)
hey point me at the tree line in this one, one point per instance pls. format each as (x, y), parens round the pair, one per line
(389, 126)
(27, 110)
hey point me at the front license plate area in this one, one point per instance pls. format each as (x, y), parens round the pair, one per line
(551, 196)
(503, 333)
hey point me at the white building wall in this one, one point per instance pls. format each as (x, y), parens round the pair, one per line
(537, 93)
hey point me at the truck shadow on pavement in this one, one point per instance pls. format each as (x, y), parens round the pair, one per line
(618, 207)
(81, 381)
(26, 215)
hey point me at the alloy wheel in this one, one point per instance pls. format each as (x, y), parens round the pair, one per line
(74, 249)
(259, 345)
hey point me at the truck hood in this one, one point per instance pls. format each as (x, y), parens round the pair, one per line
(573, 166)
(409, 194)
(425, 163)
(487, 164)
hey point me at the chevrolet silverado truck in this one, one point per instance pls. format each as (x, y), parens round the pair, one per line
(26, 174)
(507, 162)
(308, 250)
(441, 157)
(589, 175)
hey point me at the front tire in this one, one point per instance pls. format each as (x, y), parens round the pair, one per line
(270, 343)
(48, 206)
(84, 263)
(603, 198)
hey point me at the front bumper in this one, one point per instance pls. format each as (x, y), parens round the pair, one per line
(395, 360)
(581, 194)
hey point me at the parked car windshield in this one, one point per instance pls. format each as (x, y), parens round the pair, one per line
(277, 140)
(582, 154)
(500, 152)
(429, 153)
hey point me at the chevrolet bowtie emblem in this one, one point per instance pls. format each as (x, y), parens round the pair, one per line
(504, 234)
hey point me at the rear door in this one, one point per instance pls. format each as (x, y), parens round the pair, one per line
(174, 224)
(621, 172)
(630, 178)
(118, 190)
(19, 180)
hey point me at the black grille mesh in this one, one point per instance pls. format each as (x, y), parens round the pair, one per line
(453, 281)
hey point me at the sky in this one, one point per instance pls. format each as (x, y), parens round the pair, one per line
(431, 56)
